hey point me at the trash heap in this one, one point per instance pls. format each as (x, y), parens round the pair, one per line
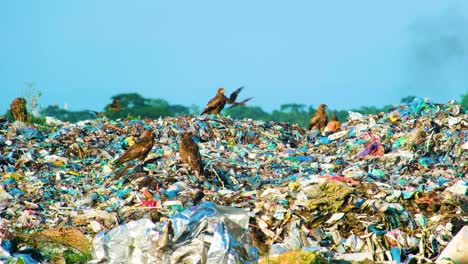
(391, 186)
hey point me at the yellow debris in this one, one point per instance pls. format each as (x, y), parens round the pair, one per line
(294, 257)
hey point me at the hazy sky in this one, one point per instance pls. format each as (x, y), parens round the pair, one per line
(343, 53)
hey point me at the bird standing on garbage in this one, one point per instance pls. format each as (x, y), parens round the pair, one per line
(333, 126)
(138, 150)
(190, 154)
(320, 118)
(217, 104)
(18, 109)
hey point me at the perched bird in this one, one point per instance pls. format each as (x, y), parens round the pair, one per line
(190, 153)
(115, 104)
(18, 109)
(320, 118)
(333, 126)
(138, 150)
(217, 104)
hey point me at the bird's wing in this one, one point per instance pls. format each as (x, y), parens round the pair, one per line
(137, 150)
(313, 121)
(233, 97)
(241, 102)
(128, 155)
(195, 157)
(212, 104)
(146, 147)
(194, 151)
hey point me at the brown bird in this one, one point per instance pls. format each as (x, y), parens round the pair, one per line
(334, 125)
(18, 109)
(320, 118)
(217, 104)
(138, 150)
(115, 104)
(190, 153)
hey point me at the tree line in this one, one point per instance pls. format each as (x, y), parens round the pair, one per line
(134, 106)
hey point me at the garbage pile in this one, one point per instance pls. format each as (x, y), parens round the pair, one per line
(202, 234)
(391, 186)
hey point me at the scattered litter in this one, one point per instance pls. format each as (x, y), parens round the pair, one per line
(387, 187)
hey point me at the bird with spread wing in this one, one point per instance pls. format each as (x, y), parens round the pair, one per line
(217, 104)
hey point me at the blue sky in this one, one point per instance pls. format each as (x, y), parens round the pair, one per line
(343, 53)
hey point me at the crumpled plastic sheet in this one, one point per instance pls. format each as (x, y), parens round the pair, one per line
(206, 233)
(129, 243)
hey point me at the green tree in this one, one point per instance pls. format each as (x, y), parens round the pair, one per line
(135, 105)
(464, 101)
(129, 100)
(292, 108)
(366, 110)
(179, 110)
(292, 113)
(70, 116)
(408, 99)
(342, 115)
(194, 109)
(253, 112)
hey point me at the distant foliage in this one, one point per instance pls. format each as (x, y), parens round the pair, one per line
(408, 99)
(71, 116)
(133, 105)
(464, 101)
(252, 112)
(296, 113)
(372, 109)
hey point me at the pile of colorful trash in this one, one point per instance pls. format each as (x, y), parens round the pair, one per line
(387, 187)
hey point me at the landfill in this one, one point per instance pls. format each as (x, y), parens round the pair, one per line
(387, 187)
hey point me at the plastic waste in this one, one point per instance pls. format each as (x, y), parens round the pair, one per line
(456, 249)
(388, 187)
(206, 233)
